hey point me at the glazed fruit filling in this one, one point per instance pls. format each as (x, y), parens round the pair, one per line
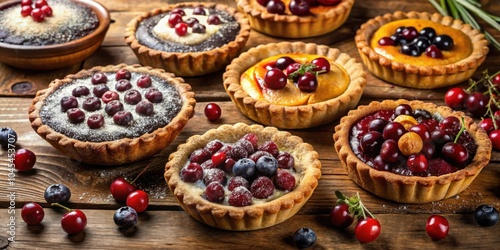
(415, 43)
(297, 7)
(412, 142)
(117, 104)
(295, 79)
(241, 173)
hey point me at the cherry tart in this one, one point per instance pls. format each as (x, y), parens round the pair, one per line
(188, 39)
(114, 114)
(411, 151)
(243, 177)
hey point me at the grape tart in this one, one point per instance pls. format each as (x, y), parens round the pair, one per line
(259, 212)
(114, 114)
(304, 115)
(191, 49)
(405, 67)
(441, 178)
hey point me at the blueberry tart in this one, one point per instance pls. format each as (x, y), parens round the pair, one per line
(114, 114)
(243, 177)
(411, 151)
(188, 39)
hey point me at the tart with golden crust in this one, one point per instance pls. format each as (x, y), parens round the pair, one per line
(456, 64)
(114, 114)
(337, 91)
(198, 49)
(424, 163)
(239, 208)
(321, 20)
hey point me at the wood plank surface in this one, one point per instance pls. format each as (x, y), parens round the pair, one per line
(165, 225)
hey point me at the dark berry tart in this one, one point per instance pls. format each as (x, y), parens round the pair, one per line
(114, 127)
(227, 186)
(188, 39)
(414, 158)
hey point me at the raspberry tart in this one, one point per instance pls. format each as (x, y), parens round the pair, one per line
(243, 177)
(420, 50)
(188, 39)
(114, 114)
(296, 18)
(411, 151)
(294, 85)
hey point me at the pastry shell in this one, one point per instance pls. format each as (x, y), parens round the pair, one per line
(409, 189)
(190, 63)
(421, 77)
(255, 216)
(120, 151)
(292, 26)
(294, 117)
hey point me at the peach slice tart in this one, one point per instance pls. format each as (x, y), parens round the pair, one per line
(294, 85)
(243, 177)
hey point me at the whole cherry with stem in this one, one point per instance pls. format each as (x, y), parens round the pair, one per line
(455, 152)
(73, 221)
(121, 188)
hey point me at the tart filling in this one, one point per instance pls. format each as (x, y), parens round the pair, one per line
(69, 21)
(155, 32)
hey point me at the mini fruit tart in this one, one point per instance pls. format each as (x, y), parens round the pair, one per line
(114, 114)
(421, 50)
(295, 18)
(243, 177)
(294, 85)
(188, 39)
(411, 151)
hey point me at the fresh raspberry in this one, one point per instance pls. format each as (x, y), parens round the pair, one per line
(214, 174)
(214, 192)
(262, 187)
(270, 147)
(237, 181)
(200, 155)
(284, 180)
(240, 197)
(192, 172)
(439, 167)
(285, 160)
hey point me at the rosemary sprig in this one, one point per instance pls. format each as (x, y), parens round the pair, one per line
(464, 10)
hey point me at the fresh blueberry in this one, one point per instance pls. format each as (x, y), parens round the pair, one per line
(57, 193)
(7, 136)
(304, 237)
(245, 168)
(486, 215)
(125, 217)
(267, 165)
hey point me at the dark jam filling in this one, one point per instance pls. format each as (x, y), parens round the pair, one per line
(226, 34)
(437, 165)
(85, 23)
(53, 116)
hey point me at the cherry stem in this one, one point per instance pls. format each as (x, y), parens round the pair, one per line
(55, 204)
(142, 172)
(461, 130)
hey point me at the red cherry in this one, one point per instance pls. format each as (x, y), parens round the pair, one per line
(276, 7)
(212, 112)
(367, 230)
(174, 19)
(307, 82)
(144, 81)
(275, 79)
(495, 139)
(40, 3)
(417, 163)
(340, 216)
(455, 153)
(213, 20)
(138, 200)
(386, 41)
(121, 188)
(123, 74)
(47, 10)
(74, 221)
(299, 7)
(32, 213)
(26, 2)
(263, 2)
(487, 125)
(26, 10)
(38, 15)
(292, 68)
(455, 97)
(437, 227)
(496, 81)
(178, 11)
(109, 96)
(322, 65)
(329, 2)
(24, 160)
(477, 104)
(181, 29)
(219, 158)
(433, 52)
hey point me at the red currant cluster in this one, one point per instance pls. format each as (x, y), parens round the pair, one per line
(481, 100)
(303, 75)
(296, 7)
(38, 10)
(181, 26)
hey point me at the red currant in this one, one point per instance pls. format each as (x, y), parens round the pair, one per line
(455, 97)
(213, 112)
(495, 139)
(121, 188)
(307, 82)
(32, 213)
(138, 200)
(38, 15)
(74, 221)
(26, 2)
(181, 29)
(437, 227)
(24, 160)
(47, 10)
(40, 3)
(26, 10)
(218, 158)
(367, 230)
(174, 19)
(275, 79)
(340, 216)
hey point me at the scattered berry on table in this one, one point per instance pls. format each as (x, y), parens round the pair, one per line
(57, 193)
(7, 137)
(32, 213)
(121, 188)
(486, 215)
(73, 221)
(24, 160)
(125, 217)
(341, 217)
(138, 200)
(437, 227)
(304, 237)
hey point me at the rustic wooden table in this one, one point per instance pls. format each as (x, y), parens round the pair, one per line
(165, 224)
